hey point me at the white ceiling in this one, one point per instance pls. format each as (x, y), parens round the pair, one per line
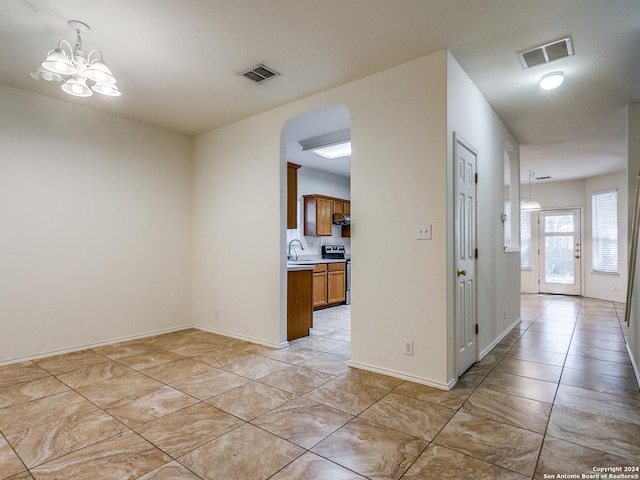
(177, 60)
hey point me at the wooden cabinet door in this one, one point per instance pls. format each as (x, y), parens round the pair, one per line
(338, 206)
(292, 195)
(299, 306)
(347, 207)
(336, 285)
(324, 217)
(319, 289)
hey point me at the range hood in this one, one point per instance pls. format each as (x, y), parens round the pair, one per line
(341, 219)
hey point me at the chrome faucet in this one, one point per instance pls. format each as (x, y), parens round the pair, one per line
(289, 250)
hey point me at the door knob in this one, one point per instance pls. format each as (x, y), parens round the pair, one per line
(577, 256)
(462, 272)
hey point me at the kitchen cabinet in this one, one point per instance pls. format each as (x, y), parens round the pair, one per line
(320, 285)
(318, 211)
(336, 283)
(299, 303)
(329, 284)
(292, 195)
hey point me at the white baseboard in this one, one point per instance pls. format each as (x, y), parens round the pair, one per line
(77, 348)
(404, 376)
(241, 337)
(636, 370)
(493, 344)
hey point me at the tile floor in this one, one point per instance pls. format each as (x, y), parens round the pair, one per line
(556, 396)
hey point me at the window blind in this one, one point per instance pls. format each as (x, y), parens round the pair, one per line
(604, 231)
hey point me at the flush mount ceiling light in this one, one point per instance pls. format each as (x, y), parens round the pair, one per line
(331, 146)
(82, 74)
(551, 81)
(528, 204)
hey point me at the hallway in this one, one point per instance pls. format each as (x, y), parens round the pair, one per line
(556, 396)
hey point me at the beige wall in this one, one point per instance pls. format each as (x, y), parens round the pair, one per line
(96, 227)
(633, 171)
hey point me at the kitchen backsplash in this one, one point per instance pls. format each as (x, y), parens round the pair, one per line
(313, 245)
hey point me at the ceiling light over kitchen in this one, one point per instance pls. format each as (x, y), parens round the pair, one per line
(551, 81)
(332, 145)
(65, 61)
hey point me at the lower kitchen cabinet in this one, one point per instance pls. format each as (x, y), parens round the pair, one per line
(329, 284)
(299, 303)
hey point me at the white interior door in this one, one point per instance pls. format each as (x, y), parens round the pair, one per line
(560, 252)
(465, 241)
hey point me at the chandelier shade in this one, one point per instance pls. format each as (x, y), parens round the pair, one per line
(82, 74)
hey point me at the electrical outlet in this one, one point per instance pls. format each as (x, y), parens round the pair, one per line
(506, 313)
(423, 231)
(215, 314)
(408, 347)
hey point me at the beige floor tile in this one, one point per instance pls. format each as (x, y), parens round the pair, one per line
(298, 380)
(350, 397)
(223, 356)
(194, 348)
(371, 450)
(71, 361)
(21, 476)
(213, 382)
(595, 431)
(452, 399)
(521, 386)
(327, 363)
(245, 453)
(595, 342)
(256, 367)
(150, 359)
(624, 387)
(313, 467)
(51, 440)
(188, 429)
(123, 456)
(539, 356)
(378, 380)
(93, 374)
(493, 442)
(292, 354)
(544, 345)
(20, 372)
(409, 415)
(149, 405)
(31, 390)
(440, 463)
(621, 408)
(474, 376)
(524, 368)
(10, 464)
(560, 457)
(302, 421)
(115, 389)
(174, 371)
(502, 407)
(600, 367)
(43, 410)
(170, 471)
(251, 400)
(124, 350)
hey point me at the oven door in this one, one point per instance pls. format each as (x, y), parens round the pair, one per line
(348, 281)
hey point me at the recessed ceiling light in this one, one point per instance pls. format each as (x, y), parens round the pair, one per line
(332, 145)
(551, 81)
(338, 150)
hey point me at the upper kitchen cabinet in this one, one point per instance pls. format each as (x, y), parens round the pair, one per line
(318, 211)
(292, 195)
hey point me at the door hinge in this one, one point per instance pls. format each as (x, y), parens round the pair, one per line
(476, 253)
(476, 329)
(476, 177)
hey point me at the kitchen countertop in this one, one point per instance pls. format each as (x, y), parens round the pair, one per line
(295, 267)
(314, 261)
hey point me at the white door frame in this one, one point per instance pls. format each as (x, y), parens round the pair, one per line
(465, 237)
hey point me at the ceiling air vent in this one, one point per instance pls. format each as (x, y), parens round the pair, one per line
(260, 73)
(546, 53)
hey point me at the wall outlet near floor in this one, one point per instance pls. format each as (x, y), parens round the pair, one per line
(216, 314)
(423, 231)
(506, 313)
(408, 347)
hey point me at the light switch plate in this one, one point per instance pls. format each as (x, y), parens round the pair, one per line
(423, 231)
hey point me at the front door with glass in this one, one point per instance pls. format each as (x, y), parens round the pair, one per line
(560, 252)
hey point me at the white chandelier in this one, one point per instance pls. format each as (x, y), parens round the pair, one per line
(82, 74)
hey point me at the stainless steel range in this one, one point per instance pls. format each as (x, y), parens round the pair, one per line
(338, 252)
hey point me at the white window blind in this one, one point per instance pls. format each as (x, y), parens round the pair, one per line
(604, 231)
(507, 223)
(525, 240)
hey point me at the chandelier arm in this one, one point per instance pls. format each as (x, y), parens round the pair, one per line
(92, 51)
(62, 43)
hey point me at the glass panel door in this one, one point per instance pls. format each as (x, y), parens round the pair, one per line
(560, 245)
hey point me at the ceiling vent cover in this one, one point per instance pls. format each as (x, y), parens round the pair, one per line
(260, 73)
(546, 53)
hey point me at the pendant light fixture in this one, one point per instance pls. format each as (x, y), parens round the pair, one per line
(80, 74)
(529, 204)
